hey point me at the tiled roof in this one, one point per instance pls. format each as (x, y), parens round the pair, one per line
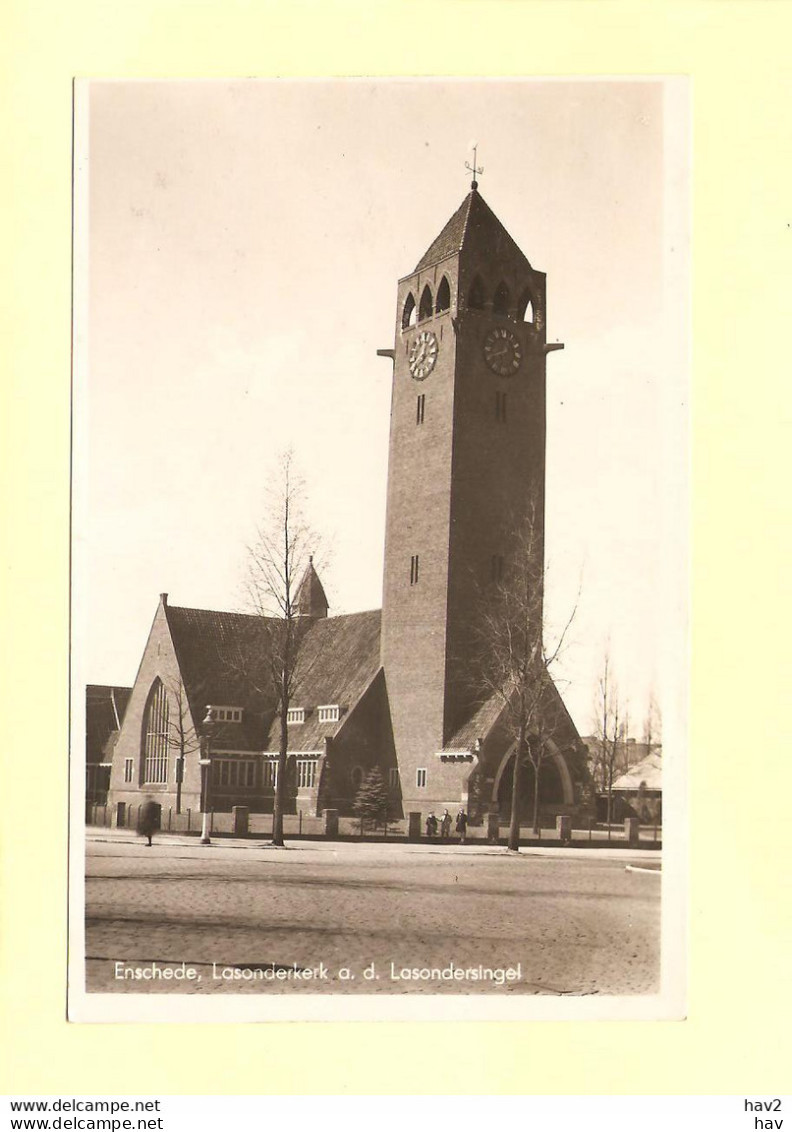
(478, 726)
(648, 771)
(473, 217)
(213, 649)
(339, 658)
(105, 705)
(486, 717)
(450, 239)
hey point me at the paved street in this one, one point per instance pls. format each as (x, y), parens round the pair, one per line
(574, 921)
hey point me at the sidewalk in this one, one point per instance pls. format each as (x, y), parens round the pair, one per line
(103, 835)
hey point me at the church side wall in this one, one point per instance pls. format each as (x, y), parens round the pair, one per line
(159, 660)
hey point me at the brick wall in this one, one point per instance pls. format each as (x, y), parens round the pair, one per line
(418, 522)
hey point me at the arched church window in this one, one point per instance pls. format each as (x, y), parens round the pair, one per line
(500, 303)
(443, 296)
(408, 314)
(477, 296)
(525, 308)
(425, 309)
(155, 735)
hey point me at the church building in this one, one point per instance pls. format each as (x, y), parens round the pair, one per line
(395, 688)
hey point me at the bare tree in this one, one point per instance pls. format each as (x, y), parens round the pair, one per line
(182, 735)
(610, 731)
(277, 560)
(652, 732)
(514, 658)
(624, 764)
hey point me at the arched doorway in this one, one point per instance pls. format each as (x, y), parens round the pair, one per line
(555, 784)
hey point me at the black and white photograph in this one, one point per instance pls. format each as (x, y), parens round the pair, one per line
(379, 549)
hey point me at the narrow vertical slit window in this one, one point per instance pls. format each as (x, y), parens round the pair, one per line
(500, 407)
(413, 569)
(306, 774)
(420, 408)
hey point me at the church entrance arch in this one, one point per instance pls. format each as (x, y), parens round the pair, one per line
(555, 783)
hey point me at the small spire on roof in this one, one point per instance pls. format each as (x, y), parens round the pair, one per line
(476, 170)
(310, 600)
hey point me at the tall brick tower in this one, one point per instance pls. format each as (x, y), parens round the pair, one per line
(467, 453)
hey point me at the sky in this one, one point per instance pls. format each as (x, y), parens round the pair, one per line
(238, 246)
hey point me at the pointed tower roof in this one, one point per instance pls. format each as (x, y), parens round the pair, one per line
(311, 600)
(474, 222)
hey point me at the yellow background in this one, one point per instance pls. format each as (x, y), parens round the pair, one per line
(736, 1036)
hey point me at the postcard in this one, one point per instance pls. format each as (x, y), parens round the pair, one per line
(379, 556)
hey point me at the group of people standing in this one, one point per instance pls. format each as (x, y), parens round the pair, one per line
(444, 825)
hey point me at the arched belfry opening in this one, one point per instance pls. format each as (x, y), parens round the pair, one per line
(425, 309)
(525, 308)
(477, 296)
(408, 312)
(443, 296)
(501, 300)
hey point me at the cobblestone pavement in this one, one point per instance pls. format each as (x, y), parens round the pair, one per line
(575, 924)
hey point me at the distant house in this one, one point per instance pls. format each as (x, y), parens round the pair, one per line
(104, 711)
(639, 792)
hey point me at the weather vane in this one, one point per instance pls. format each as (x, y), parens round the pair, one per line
(476, 170)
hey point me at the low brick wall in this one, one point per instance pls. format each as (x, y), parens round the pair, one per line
(594, 836)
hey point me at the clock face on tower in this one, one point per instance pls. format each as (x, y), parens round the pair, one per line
(423, 355)
(502, 352)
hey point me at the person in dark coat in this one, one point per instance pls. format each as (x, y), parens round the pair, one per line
(148, 820)
(461, 825)
(431, 826)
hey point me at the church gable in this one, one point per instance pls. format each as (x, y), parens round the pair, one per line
(159, 667)
(488, 725)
